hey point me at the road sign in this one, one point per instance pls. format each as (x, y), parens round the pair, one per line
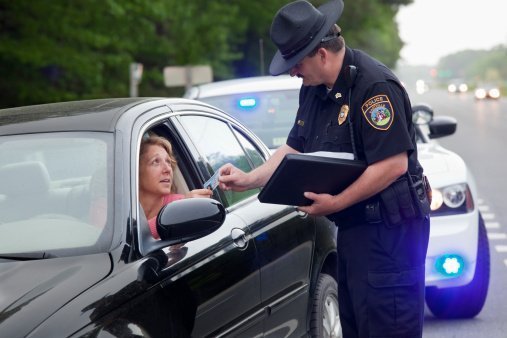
(187, 75)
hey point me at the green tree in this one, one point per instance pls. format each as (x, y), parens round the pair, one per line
(62, 50)
(65, 50)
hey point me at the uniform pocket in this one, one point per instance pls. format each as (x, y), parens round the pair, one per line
(336, 138)
(395, 303)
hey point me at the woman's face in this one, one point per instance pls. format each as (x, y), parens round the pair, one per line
(155, 171)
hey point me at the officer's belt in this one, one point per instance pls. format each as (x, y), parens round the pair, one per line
(365, 212)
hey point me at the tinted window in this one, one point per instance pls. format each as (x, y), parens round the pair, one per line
(218, 144)
(55, 191)
(268, 114)
(252, 152)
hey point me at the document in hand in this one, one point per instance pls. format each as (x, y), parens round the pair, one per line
(319, 172)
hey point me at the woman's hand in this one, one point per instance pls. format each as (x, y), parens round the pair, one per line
(199, 193)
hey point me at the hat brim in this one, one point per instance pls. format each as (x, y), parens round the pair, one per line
(332, 11)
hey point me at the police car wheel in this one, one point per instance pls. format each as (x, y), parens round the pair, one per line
(468, 300)
(325, 319)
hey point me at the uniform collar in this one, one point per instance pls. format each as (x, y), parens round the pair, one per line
(340, 87)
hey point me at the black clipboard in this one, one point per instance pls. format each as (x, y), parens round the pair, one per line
(298, 173)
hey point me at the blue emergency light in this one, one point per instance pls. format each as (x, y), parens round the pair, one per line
(247, 103)
(450, 265)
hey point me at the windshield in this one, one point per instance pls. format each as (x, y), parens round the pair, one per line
(269, 114)
(55, 192)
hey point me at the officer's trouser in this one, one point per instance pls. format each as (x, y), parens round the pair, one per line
(381, 279)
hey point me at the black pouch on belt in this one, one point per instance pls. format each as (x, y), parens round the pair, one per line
(390, 206)
(421, 191)
(398, 201)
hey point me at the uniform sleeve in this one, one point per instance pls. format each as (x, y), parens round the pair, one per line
(294, 140)
(384, 122)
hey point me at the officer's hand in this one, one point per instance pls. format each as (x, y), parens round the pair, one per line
(232, 178)
(199, 193)
(323, 204)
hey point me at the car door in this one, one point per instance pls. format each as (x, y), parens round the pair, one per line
(228, 292)
(282, 236)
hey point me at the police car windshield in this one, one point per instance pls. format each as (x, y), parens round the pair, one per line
(268, 114)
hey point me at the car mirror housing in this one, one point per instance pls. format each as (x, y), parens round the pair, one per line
(422, 114)
(442, 126)
(188, 219)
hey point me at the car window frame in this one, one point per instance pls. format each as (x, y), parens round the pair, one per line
(234, 127)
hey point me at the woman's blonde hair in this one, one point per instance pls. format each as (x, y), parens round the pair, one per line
(155, 140)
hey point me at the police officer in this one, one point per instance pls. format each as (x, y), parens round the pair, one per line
(350, 102)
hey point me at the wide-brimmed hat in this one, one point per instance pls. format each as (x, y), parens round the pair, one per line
(298, 28)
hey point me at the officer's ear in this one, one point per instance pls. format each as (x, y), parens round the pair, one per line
(322, 54)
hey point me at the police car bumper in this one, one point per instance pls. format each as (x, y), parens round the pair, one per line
(452, 250)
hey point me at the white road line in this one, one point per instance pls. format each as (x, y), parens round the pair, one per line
(492, 225)
(488, 216)
(497, 235)
(484, 208)
(501, 248)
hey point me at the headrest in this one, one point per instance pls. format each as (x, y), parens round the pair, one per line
(23, 178)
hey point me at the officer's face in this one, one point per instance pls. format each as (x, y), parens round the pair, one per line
(309, 70)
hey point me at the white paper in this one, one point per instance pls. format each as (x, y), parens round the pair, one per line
(331, 154)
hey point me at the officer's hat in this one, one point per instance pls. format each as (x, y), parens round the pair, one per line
(298, 28)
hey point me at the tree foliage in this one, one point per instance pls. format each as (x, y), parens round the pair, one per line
(62, 50)
(477, 65)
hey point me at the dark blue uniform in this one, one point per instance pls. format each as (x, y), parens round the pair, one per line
(381, 265)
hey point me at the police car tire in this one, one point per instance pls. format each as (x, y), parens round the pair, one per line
(325, 320)
(468, 300)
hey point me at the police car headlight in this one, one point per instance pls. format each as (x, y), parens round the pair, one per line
(452, 199)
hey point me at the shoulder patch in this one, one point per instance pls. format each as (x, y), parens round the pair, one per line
(379, 112)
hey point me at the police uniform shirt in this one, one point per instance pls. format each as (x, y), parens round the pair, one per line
(379, 110)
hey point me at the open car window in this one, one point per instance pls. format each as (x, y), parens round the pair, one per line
(219, 144)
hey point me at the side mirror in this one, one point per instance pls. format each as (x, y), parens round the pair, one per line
(422, 114)
(442, 126)
(189, 219)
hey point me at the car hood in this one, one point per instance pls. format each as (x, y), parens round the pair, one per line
(31, 291)
(441, 166)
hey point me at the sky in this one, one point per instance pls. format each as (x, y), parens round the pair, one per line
(432, 29)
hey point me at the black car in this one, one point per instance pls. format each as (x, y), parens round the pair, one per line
(224, 266)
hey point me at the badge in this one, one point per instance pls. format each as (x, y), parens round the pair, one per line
(379, 112)
(337, 95)
(301, 123)
(342, 115)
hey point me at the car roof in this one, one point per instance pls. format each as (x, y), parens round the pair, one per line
(88, 115)
(244, 85)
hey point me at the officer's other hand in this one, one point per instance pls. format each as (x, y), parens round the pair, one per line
(323, 204)
(232, 178)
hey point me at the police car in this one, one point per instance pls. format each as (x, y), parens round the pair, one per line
(457, 263)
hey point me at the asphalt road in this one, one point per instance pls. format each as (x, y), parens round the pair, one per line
(481, 140)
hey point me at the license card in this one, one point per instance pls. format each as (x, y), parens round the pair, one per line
(212, 183)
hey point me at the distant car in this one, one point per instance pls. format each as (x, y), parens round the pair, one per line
(457, 264)
(457, 86)
(487, 91)
(224, 266)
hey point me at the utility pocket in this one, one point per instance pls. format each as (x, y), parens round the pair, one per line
(398, 202)
(395, 303)
(336, 138)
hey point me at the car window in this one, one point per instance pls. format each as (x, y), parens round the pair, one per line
(219, 145)
(269, 114)
(253, 153)
(55, 191)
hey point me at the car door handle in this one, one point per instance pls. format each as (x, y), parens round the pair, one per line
(300, 213)
(239, 238)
